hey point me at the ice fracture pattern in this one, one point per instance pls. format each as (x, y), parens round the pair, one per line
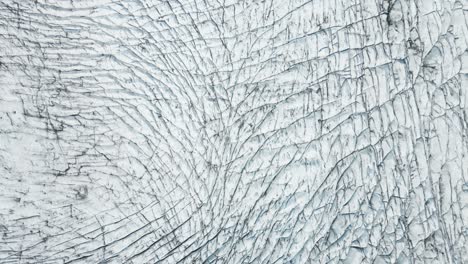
(233, 131)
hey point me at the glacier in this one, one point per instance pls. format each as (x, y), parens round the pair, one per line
(233, 131)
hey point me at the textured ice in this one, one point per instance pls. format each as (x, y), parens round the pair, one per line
(233, 131)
